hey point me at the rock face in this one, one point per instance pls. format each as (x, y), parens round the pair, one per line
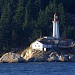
(45, 56)
(27, 54)
(53, 57)
(34, 55)
(11, 57)
(41, 56)
(30, 55)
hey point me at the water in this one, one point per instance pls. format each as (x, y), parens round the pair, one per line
(42, 68)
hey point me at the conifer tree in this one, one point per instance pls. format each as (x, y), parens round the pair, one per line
(30, 12)
(18, 21)
(5, 27)
(1, 6)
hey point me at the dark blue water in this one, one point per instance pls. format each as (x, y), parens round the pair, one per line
(43, 68)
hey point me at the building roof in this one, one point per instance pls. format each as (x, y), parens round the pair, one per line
(46, 41)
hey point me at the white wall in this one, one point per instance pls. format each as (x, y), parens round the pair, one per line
(37, 45)
(56, 29)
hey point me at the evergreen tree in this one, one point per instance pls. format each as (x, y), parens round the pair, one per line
(18, 22)
(1, 6)
(30, 12)
(19, 14)
(5, 27)
(30, 18)
(62, 19)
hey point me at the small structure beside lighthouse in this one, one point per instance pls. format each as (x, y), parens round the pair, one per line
(56, 27)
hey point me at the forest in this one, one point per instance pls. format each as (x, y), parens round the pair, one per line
(23, 21)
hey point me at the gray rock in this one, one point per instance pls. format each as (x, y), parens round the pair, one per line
(53, 57)
(72, 58)
(11, 57)
(34, 55)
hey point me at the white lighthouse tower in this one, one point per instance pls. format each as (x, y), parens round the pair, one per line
(56, 27)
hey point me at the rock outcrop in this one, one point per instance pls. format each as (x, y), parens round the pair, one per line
(11, 57)
(30, 55)
(41, 56)
(45, 56)
(53, 57)
(35, 55)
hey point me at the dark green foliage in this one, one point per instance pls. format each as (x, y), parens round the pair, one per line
(23, 21)
(5, 26)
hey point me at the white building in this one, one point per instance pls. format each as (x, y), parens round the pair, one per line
(44, 44)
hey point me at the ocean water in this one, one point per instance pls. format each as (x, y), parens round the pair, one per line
(38, 68)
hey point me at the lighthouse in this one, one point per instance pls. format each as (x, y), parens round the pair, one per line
(56, 27)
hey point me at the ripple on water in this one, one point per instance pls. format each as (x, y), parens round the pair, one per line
(43, 68)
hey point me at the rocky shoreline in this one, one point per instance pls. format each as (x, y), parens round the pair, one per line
(11, 58)
(30, 55)
(46, 56)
